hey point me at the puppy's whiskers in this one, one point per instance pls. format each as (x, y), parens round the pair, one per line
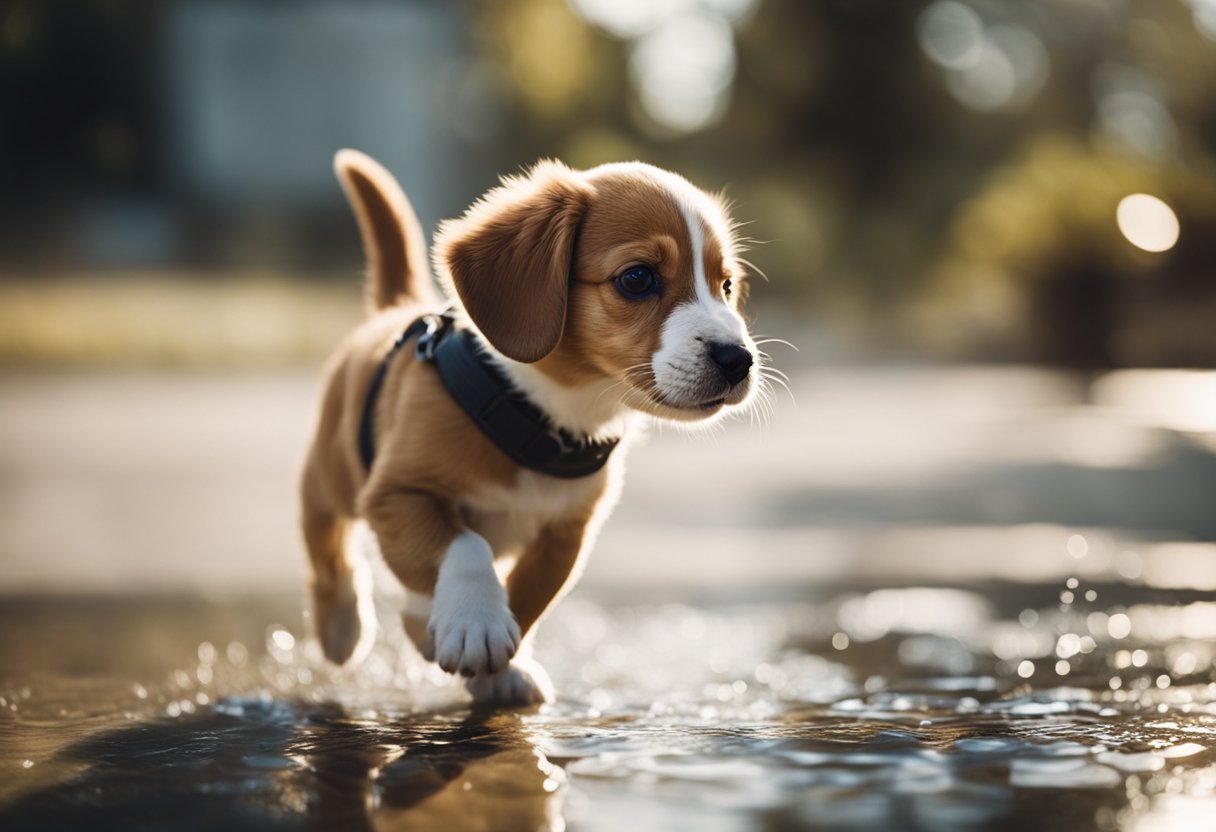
(766, 339)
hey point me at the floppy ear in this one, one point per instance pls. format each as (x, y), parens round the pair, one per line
(510, 258)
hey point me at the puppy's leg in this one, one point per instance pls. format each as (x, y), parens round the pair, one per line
(544, 569)
(524, 682)
(470, 625)
(415, 617)
(341, 583)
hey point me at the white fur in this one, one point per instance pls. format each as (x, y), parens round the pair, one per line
(509, 516)
(471, 626)
(418, 605)
(591, 409)
(524, 682)
(683, 372)
(696, 236)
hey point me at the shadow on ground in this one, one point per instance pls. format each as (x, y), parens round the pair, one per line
(268, 765)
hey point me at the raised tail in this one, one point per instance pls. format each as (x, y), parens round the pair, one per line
(393, 241)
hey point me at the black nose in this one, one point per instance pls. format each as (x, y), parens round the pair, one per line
(733, 361)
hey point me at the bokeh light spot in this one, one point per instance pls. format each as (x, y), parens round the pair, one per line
(1078, 547)
(1204, 12)
(1119, 625)
(1147, 222)
(950, 34)
(683, 70)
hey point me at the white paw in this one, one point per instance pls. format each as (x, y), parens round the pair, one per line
(524, 682)
(346, 618)
(474, 640)
(471, 627)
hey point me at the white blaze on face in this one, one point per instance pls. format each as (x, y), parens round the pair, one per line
(683, 371)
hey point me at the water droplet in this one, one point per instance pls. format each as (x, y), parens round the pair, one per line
(1062, 668)
(1187, 749)
(1184, 664)
(282, 639)
(1026, 669)
(840, 641)
(1068, 645)
(27, 763)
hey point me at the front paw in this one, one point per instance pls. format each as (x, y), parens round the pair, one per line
(523, 682)
(475, 641)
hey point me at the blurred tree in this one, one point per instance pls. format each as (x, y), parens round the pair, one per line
(893, 155)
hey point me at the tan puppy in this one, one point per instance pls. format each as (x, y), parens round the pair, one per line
(599, 295)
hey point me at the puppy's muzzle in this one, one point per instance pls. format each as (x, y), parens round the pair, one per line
(733, 361)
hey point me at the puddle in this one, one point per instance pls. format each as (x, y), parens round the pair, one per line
(1009, 707)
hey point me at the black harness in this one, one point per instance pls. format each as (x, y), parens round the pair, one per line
(515, 425)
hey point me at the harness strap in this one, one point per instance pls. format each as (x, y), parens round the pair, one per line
(367, 422)
(516, 426)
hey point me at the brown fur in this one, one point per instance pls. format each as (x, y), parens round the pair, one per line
(533, 265)
(509, 258)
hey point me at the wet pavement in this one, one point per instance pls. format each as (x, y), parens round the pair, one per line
(966, 598)
(744, 716)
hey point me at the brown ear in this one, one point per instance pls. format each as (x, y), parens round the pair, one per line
(510, 258)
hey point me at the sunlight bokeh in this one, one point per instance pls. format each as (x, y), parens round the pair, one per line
(1147, 222)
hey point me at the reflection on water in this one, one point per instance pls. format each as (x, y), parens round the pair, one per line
(1084, 705)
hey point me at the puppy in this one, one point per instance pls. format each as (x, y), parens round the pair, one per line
(485, 448)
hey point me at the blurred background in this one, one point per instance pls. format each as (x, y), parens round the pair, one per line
(949, 179)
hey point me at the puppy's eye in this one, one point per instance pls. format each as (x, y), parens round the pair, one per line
(637, 282)
(726, 287)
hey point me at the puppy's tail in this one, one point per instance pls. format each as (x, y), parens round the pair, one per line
(397, 269)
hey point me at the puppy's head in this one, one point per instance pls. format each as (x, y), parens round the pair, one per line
(623, 272)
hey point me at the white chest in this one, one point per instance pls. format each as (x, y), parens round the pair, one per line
(511, 517)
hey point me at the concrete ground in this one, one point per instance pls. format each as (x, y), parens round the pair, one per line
(141, 481)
